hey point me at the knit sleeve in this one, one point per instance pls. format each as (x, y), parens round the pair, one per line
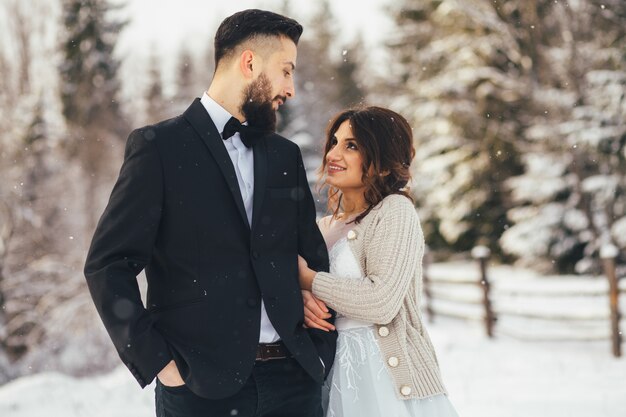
(393, 253)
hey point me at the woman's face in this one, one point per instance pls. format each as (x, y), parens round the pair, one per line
(344, 162)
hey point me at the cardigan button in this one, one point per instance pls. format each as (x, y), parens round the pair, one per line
(405, 390)
(383, 331)
(351, 235)
(393, 362)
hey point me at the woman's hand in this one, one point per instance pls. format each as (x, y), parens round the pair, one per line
(305, 273)
(315, 312)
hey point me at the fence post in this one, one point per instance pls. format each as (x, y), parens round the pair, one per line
(426, 280)
(608, 253)
(482, 253)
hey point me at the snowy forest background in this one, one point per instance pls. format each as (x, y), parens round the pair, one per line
(518, 109)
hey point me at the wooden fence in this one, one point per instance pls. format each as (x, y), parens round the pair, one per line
(438, 289)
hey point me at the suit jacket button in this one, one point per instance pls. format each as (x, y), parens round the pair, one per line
(255, 255)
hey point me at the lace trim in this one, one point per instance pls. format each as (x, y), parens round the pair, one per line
(354, 350)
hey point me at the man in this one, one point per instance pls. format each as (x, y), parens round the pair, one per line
(217, 211)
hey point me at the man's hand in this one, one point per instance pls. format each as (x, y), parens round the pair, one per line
(315, 312)
(305, 273)
(169, 376)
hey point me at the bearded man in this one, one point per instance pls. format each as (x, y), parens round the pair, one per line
(215, 207)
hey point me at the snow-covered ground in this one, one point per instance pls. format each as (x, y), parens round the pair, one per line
(503, 377)
(486, 378)
(511, 378)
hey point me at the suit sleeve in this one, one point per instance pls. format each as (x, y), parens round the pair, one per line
(312, 248)
(120, 249)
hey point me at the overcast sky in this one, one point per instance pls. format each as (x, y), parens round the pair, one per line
(164, 26)
(167, 23)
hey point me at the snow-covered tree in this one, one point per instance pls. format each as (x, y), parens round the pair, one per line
(518, 110)
(54, 159)
(22, 27)
(155, 100)
(459, 75)
(89, 92)
(30, 116)
(89, 71)
(188, 86)
(350, 88)
(571, 199)
(45, 292)
(327, 81)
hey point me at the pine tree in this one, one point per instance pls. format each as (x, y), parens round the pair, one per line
(23, 332)
(89, 91)
(326, 82)
(155, 101)
(315, 75)
(7, 98)
(22, 27)
(42, 218)
(45, 291)
(207, 65)
(350, 91)
(187, 85)
(89, 71)
(518, 115)
(572, 197)
(457, 74)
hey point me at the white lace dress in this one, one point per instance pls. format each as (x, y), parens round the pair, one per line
(359, 384)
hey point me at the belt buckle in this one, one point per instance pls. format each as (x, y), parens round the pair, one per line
(270, 351)
(265, 354)
(264, 357)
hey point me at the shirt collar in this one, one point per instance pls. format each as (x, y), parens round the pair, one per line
(218, 114)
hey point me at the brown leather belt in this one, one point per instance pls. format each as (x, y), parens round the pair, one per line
(271, 351)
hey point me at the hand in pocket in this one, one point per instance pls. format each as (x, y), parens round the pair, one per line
(169, 376)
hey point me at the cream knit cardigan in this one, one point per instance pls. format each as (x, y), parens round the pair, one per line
(389, 245)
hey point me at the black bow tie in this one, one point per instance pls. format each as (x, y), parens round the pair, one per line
(249, 135)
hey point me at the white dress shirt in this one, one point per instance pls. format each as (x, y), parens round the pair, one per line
(243, 162)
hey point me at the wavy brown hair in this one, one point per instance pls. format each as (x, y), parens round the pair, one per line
(385, 142)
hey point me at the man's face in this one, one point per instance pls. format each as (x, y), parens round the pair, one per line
(272, 88)
(279, 69)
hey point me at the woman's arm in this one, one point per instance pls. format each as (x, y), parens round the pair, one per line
(393, 253)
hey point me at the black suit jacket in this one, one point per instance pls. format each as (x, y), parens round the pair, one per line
(176, 210)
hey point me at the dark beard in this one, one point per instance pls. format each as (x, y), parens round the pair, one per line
(257, 105)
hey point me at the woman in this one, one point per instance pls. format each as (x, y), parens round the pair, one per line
(385, 363)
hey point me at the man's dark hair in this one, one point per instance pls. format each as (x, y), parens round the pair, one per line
(249, 23)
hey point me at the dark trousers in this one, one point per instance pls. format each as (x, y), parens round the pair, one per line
(276, 388)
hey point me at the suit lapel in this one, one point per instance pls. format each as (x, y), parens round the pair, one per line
(260, 178)
(197, 115)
